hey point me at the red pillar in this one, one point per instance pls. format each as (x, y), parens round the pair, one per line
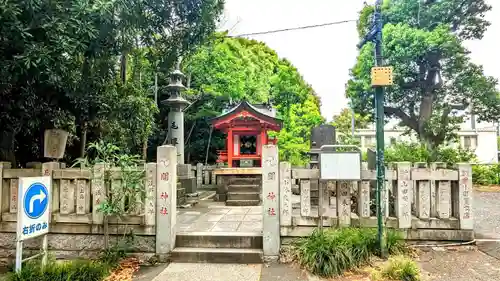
(263, 141)
(230, 148)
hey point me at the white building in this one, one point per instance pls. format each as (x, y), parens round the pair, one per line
(480, 137)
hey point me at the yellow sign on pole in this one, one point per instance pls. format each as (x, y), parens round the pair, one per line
(382, 76)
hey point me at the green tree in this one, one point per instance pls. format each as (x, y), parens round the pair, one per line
(232, 69)
(59, 67)
(343, 121)
(435, 79)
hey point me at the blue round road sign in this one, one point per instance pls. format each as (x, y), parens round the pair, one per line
(36, 200)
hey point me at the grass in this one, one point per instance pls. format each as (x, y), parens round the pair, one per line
(398, 268)
(77, 270)
(331, 252)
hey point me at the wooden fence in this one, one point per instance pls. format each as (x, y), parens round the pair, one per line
(418, 197)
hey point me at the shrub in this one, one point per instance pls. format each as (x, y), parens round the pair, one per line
(78, 270)
(417, 152)
(399, 268)
(486, 174)
(330, 252)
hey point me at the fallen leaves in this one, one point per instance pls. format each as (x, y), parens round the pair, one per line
(125, 270)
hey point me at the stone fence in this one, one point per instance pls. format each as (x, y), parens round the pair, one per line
(426, 202)
(76, 227)
(205, 176)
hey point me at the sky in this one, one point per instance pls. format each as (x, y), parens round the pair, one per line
(324, 55)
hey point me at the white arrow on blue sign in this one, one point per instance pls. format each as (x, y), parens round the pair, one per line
(33, 208)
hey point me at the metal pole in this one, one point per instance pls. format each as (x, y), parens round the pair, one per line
(379, 111)
(353, 122)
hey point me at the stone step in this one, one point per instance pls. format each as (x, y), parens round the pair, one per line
(216, 255)
(181, 192)
(240, 180)
(242, 202)
(235, 240)
(243, 188)
(243, 195)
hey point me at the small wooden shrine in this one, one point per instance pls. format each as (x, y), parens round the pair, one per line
(247, 128)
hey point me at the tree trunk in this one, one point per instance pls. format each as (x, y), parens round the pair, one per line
(83, 141)
(145, 150)
(123, 67)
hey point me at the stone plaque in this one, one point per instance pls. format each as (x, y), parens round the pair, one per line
(322, 135)
(55, 143)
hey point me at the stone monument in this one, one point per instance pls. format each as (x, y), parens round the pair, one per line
(320, 135)
(175, 130)
(175, 133)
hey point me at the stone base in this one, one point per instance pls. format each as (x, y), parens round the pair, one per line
(220, 197)
(189, 185)
(72, 246)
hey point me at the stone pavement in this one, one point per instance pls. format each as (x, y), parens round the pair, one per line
(459, 265)
(227, 272)
(487, 222)
(216, 217)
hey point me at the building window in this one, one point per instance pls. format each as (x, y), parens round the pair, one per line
(369, 141)
(470, 142)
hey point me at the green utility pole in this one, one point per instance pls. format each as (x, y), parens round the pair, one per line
(381, 76)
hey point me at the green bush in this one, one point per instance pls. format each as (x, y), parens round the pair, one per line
(486, 174)
(78, 270)
(399, 268)
(417, 152)
(330, 252)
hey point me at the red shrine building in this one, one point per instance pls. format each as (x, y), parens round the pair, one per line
(247, 128)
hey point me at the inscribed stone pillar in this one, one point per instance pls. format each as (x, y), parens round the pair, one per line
(270, 190)
(403, 203)
(176, 131)
(465, 196)
(199, 175)
(344, 203)
(285, 194)
(4, 189)
(47, 170)
(166, 198)
(150, 202)
(98, 192)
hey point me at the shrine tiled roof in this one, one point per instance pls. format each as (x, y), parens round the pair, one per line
(260, 111)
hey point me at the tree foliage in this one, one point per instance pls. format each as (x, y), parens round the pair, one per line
(63, 64)
(232, 69)
(435, 80)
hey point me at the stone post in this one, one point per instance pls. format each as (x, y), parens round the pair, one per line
(98, 193)
(47, 170)
(4, 189)
(199, 175)
(423, 191)
(166, 199)
(285, 194)
(344, 203)
(271, 195)
(150, 202)
(465, 196)
(403, 199)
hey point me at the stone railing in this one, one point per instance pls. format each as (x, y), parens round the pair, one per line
(76, 226)
(76, 196)
(426, 202)
(205, 176)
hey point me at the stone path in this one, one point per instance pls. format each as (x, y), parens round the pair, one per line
(210, 272)
(216, 217)
(487, 222)
(461, 265)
